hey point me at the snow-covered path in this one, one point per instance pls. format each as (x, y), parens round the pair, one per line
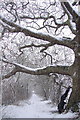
(34, 108)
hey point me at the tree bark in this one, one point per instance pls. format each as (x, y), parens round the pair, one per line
(75, 96)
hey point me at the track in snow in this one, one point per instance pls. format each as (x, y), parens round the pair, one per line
(34, 108)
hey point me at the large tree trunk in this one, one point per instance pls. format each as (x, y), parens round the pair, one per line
(75, 96)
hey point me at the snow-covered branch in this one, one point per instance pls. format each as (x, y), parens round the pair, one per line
(68, 22)
(11, 73)
(71, 11)
(45, 46)
(38, 35)
(65, 70)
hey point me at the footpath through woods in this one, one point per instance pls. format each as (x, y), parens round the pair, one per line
(36, 107)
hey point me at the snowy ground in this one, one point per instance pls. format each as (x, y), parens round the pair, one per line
(34, 108)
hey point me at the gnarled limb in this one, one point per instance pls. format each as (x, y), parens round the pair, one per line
(46, 37)
(65, 70)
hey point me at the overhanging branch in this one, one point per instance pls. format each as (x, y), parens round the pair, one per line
(13, 72)
(65, 70)
(45, 37)
(71, 11)
(45, 46)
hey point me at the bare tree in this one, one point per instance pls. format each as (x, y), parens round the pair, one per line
(46, 21)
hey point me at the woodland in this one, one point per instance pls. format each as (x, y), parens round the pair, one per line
(40, 50)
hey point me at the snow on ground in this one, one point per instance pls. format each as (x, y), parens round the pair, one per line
(34, 108)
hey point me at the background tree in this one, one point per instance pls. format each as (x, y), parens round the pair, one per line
(50, 23)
